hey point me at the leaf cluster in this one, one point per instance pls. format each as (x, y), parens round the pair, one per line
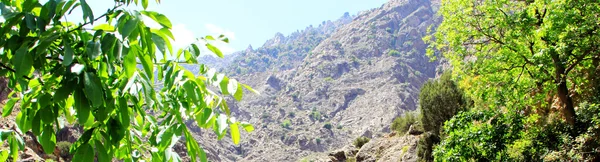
(113, 75)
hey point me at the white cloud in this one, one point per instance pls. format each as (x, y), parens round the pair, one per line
(183, 37)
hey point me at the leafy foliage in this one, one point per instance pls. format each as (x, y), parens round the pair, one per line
(287, 124)
(496, 136)
(516, 53)
(87, 74)
(403, 123)
(394, 53)
(360, 141)
(520, 61)
(439, 100)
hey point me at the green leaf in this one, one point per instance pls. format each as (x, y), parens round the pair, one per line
(87, 11)
(208, 37)
(148, 66)
(46, 115)
(250, 89)
(223, 83)
(4, 134)
(160, 43)
(145, 4)
(4, 155)
(203, 118)
(234, 88)
(48, 139)
(221, 125)
(130, 63)
(247, 126)
(93, 89)
(36, 124)
(196, 51)
(238, 93)
(214, 49)
(85, 152)
(14, 148)
(93, 49)
(82, 106)
(8, 107)
(23, 62)
(104, 27)
(102, 152)
(69, 54)
(235, 132)
(159, 18)
(167, 32)
(127, 28)
(30, 21)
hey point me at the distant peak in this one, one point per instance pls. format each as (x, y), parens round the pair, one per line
(249, 49)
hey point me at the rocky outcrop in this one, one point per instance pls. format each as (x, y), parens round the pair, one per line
(343, 154)
(403, 148)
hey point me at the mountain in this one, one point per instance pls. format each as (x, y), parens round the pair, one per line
(324, 86)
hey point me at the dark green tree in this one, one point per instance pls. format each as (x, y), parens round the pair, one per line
(439, 100)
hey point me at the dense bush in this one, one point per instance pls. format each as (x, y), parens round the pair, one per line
(439, 100)
(360, 141)
(287, 124)
(508, 136)
(315, 115)
(403, 123)
(394, 53)
(327, 126)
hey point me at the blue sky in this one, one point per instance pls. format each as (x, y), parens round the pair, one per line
(246, 21)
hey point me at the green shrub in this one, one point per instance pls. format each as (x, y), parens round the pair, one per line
(292, 114)
(394, 53)
(287, 124)
(315, 115)
(403, 123)
(360, 141)
(327, 126)
(318, 140)
(439, 100)
(328, 79)
(339, 126)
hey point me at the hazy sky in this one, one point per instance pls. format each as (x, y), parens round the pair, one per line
(245, 21)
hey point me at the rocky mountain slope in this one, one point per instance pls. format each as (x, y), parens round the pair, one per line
(324, 86)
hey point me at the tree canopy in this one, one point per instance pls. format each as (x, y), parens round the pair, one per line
(531, 68)
(522, 54)
(84, 70)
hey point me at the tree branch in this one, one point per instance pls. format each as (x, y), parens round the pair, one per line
(96, 19)
(13, 70)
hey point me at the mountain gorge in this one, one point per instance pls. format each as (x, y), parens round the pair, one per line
(324, 86)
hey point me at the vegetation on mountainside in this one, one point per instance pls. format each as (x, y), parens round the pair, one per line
(403, 123)
(439, 100)
(531, 68)
(86, 73)
(360, 141)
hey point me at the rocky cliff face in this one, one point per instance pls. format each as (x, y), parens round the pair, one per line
(324, 86)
